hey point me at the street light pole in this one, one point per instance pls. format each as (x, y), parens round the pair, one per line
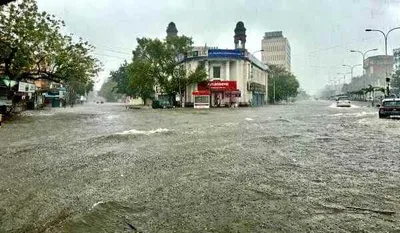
(363, 54)
(352, 68)
(385, 35)
(261, 50)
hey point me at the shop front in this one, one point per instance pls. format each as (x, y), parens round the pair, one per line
(258, 94)
(222, 93)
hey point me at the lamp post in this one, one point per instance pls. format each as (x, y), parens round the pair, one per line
(344, 79)
(261, 50)
(386, 39)
(363, 54)
(352, 68)
(384, 35)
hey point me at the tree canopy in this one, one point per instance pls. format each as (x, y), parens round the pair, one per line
(395, 81)
(108, 91)
(286, 84)
(157, 63)
(32, 47)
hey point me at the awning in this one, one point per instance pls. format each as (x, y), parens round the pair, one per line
(201, 93)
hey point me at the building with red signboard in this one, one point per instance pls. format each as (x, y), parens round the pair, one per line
(234, 76)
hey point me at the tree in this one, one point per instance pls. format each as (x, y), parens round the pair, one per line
(108, 91)
(4, 2)
(158, 63)
(283, 82)
(141, 79)
(33, 47)
(122, 79)
(395, 82)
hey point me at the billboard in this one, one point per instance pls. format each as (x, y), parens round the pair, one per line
(26, 87)
(217, 85)
(198, 52)
(226, 53)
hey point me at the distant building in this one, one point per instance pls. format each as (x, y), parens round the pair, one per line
(396, 56)
(377, 69)
(276, 50)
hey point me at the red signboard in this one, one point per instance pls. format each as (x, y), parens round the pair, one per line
(217, 85)
(201, 93)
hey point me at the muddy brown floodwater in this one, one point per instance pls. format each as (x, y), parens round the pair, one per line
(305, 167)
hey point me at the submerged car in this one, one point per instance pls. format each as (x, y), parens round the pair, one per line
(389, 108)
(161, 104)
(343, 102)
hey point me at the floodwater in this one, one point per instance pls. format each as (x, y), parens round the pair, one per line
(303, 167)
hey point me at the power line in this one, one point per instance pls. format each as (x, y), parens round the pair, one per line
(114, 51)
(335, 46)
(106, 55)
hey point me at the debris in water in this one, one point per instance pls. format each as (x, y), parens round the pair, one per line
(97, 203)
(131, 226)
(134, 131)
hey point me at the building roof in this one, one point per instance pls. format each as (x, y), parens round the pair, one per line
(274, 34)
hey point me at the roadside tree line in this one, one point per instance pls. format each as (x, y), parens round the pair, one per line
(33, 46)
(354, 91)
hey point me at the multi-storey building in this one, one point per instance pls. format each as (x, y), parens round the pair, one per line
(276, 50)
(377, 69)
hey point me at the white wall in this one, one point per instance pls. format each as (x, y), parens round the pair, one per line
(239, 71)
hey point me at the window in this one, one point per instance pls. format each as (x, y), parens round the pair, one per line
(216, 72)
(391, 103)
(201, 99)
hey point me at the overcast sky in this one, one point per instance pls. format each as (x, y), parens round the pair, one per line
(321, 32)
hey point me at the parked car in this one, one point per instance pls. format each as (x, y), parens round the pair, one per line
(161, 104)
(389, 108)
(343, 102)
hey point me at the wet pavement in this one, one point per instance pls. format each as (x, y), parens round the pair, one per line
(303, 167)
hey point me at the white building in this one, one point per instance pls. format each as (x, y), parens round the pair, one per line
(234, 77)
(276, 50)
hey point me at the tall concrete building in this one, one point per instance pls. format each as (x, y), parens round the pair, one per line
(377, 69)
(276, 50)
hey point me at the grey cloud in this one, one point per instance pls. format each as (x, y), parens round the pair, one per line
(320, 32)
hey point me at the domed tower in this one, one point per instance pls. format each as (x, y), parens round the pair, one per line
(171, 30)
(240, 35)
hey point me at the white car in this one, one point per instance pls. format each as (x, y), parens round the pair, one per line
(343, 102)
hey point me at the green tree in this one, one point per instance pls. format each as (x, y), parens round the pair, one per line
(33, 47)
(283, 82)
(122, 80)
(108, 91)
(141, 79)
(160, 64)
(395, 81)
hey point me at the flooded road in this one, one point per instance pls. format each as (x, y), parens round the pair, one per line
(303, 167)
